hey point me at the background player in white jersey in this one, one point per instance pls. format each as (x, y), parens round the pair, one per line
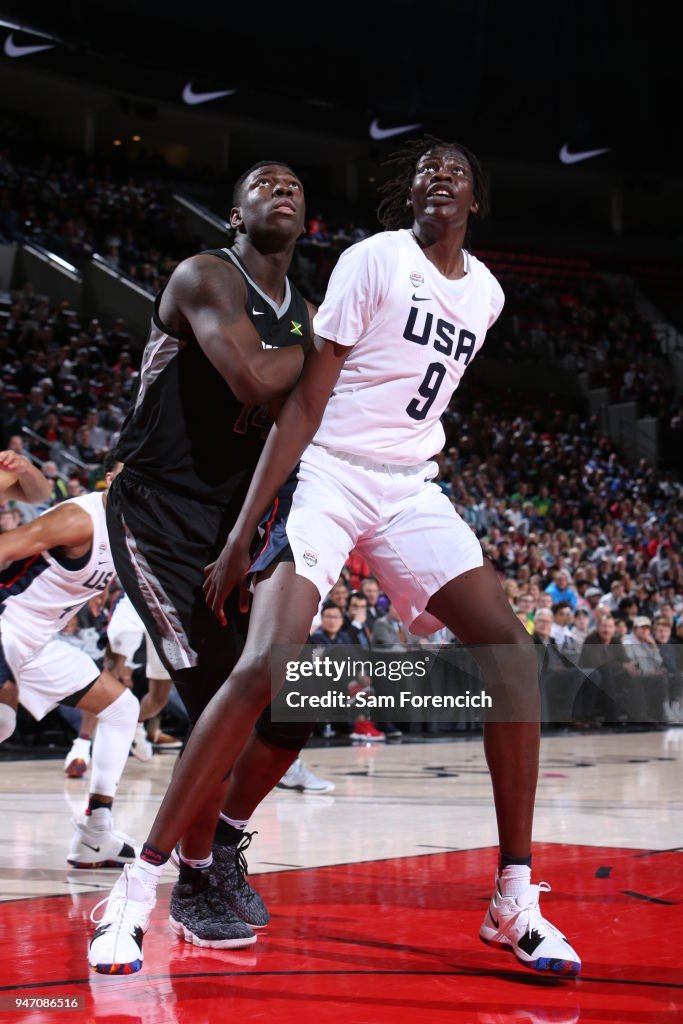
(57, 563)
(125, 633)
(21, 481)
(404, 314)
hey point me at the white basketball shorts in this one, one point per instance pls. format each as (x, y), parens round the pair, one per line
(397, 519)
(125, 631)
(49, 675)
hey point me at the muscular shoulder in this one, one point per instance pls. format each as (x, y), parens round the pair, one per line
(201, 280)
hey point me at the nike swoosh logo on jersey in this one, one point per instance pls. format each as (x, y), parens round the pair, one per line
(257, 312)
(378, 134)
(12, 49)
(193, 98)
(425, 298)
(574, 158)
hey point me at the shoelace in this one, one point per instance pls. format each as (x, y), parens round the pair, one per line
(240, 859)
(124, 904)
(531, 911)
(98, 920)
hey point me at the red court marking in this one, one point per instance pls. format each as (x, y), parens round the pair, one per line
(379, 942)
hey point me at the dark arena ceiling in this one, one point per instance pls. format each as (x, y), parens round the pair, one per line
(527, 80)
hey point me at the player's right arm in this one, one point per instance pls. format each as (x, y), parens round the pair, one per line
(211, 296)
(66, 526)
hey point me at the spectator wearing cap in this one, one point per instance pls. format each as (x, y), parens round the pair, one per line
(641, 647)
(593, 597)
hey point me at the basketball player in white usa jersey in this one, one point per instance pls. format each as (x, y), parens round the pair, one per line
(20, 481)
(54, 566)
(405, 313)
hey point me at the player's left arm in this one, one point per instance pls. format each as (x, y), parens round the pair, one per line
(21, 480)
(67, 526)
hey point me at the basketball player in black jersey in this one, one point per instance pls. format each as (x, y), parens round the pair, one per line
(227, 337)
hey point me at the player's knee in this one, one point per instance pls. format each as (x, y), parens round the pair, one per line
(123, 711)
(8, 721)
(252, 678)
(284, 735)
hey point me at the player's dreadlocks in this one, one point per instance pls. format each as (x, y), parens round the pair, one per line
(394, 211)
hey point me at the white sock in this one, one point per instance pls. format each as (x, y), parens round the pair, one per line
(194, 862)
(239, 823)
(147, 873)
(81, 748)
(514, 880)
(115, 731)
(8, 722)
(100, 819)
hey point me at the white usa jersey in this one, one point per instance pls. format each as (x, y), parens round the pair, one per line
(412, 332)
(38, 595)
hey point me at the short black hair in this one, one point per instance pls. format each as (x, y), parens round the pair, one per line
(109, 462)
(393, 211)
(260, 163)
(330, 604)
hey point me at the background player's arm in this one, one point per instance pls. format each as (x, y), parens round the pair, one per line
(68, 526)
(289, 436)
(211, 296)
(21, 480)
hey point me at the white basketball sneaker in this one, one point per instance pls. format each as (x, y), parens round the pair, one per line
(298, 776)
(77, 760)
(96, 844)
(141, 747)
(517, 925)
(116, 946)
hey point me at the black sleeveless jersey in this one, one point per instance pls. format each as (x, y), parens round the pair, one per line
(186, 430)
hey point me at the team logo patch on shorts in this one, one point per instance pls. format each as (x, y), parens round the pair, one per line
(310, 558)
(416, 279)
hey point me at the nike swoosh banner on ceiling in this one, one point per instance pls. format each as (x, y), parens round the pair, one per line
(193, 98)
(567, 157)
(379, 134)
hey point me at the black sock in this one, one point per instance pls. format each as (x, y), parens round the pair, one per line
(153, 856)
(226, 834)
(94, 804)
(504, 861)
